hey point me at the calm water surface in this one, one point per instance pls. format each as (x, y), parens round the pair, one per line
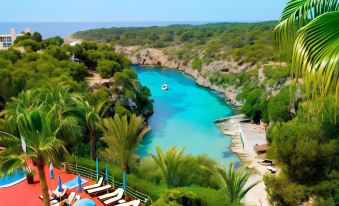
(184, 116)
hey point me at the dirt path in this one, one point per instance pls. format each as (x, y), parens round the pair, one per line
(95, 80)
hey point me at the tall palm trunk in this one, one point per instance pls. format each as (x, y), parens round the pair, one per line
(93, 145)
(43, 183)
(125, 167)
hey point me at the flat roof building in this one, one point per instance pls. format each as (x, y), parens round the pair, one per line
(7, 40)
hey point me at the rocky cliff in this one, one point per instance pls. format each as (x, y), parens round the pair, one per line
(157, 57)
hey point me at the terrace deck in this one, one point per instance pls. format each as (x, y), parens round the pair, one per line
(28, 195)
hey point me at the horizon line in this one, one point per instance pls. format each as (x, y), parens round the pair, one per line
(156, 21)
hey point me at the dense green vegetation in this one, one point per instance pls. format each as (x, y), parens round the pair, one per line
(307, 147)
(30, 69)
(307, 151)
(48, 100)
(267, 100)
(243, 41)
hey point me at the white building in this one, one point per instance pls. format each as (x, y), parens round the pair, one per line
(75, 42)
(7, 40)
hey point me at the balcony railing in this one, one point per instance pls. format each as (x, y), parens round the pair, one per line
(91, 174)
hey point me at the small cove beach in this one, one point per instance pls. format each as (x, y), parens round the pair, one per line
(245, 136)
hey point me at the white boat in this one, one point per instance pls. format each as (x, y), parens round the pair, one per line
(164, 87)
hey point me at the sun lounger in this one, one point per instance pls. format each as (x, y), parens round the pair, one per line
(98, 189)
(117, 192)
(68, 201)
(130, 203)
(114, 199)
(60, 194)
(70, 198)
(98, 184)
(272, 169)
(56, 193)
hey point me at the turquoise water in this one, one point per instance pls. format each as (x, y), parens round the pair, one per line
(9, 180)
(184, 116)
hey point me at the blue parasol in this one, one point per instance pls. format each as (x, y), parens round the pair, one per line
(59, 185)
(106, 173)
(51, 171)
(124, 180)
(97, 168)
(79, 182)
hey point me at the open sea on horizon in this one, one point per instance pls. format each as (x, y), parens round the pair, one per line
(49, 29)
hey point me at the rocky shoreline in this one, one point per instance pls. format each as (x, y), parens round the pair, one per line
(157, 58)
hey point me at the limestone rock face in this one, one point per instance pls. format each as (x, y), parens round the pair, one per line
(227, 66)
(157, 57)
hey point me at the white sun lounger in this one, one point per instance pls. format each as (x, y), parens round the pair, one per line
(54, 201)
(98, 184)
(130, 203)
(69, 199)
(60, 194)
(98, 189)
(114, 199)
(112, 194)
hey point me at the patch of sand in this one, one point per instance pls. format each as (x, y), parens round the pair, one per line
(252, 135)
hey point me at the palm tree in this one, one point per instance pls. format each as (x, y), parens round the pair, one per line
(61, 97)
(53, 97)
(233, 183)
(92, 115)
(24, 100)
(40, 130)
(123, 136)
(169, 163)
(313, 26)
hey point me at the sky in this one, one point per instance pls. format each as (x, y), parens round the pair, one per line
(140, 10)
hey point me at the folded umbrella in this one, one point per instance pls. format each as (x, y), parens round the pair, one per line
(51, 171)
(106, 174)
(59, 185)
(79, 182)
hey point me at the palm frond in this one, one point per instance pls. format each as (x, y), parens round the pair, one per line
(297, 14)
(316, 54)
(233, 182)
(169, 163)
(11, 162)
(123, 136)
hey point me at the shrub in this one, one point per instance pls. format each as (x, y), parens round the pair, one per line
(197, 64)
(176, 197)
(282, 192)
(279, 106)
